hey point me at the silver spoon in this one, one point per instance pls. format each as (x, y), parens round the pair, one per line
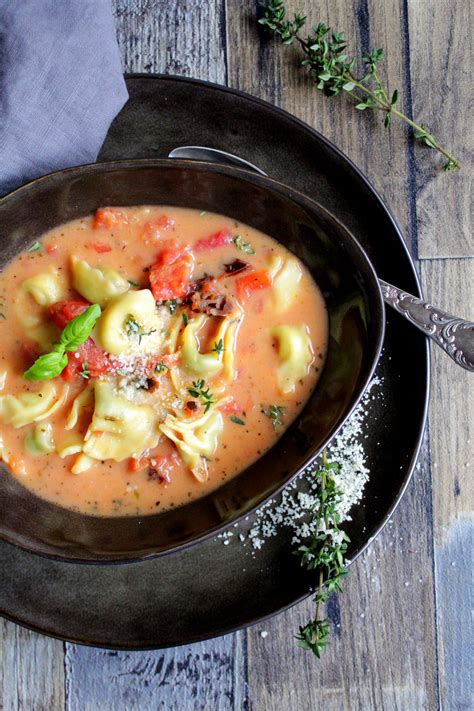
(454, 335)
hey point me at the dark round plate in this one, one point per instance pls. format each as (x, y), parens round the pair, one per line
(210, 588)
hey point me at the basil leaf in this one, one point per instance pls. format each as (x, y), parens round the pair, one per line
(80, 328)
(47, 366)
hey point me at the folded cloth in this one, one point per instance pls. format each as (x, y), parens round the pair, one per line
(61, 85)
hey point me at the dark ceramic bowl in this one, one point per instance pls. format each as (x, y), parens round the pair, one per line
(356, 312)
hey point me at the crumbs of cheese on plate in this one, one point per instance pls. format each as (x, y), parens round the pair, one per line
(291, 508)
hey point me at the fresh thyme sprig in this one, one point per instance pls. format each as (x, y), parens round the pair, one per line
(201, 393)
(334, 73)
(325, 554)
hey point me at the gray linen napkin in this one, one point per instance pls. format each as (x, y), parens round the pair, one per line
(61, 85)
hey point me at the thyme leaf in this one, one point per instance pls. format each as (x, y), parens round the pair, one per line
(324, 553)
(200, 392)
(219, 347)
(335, 73)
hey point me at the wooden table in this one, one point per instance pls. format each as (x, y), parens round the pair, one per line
(400, 630)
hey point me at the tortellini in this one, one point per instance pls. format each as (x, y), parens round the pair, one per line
(286, 275)
(119, 428)
(209, 364)
(173, 334)
(40, 440)
(25, 408)
(229, 348)
(42, 332)
(45, 288)
(82, 464)
(295, 354)
(97, 285)
(84, 399)
(73, 445)
(131, 325)
(195, 439)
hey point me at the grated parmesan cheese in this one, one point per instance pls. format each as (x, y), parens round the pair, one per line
(291, 509)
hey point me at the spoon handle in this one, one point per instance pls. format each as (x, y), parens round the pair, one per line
(454, 335)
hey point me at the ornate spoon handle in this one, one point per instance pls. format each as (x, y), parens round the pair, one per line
(454, 335)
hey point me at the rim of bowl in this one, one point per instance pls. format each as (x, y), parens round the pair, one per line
(265, 181)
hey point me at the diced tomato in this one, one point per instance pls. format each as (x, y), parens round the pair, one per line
(94, 357)
(170, 276)
(136, 465)
(51, 248)
(218, 239)
(62, 312)
(99, 247)
(252, 282)
(109, 217)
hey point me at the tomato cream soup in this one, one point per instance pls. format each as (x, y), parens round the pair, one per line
(149, 354)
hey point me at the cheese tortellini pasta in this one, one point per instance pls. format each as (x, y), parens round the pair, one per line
(131, 324)
(119, 428)
(40, 440)
(295, 354)
(196, 440)
(45, 288)
(286, 275)
(81, 401)
(220, 357)
(25, 408)
(97, 285)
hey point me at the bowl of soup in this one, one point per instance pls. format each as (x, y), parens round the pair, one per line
(178, 341)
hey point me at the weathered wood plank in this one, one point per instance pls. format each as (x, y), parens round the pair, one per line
(200, 677)
(31, 670)
(382, 652)
(179, 37)
(451, 442)
(441, 79)
(267, 69)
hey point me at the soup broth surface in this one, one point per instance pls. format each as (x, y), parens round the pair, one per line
(235, 339)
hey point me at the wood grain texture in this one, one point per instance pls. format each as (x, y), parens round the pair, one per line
(182, 37)
(387, 606)
(31, 670)
(203, 676)
(264, 67)
(441, 80)
(452, 446)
